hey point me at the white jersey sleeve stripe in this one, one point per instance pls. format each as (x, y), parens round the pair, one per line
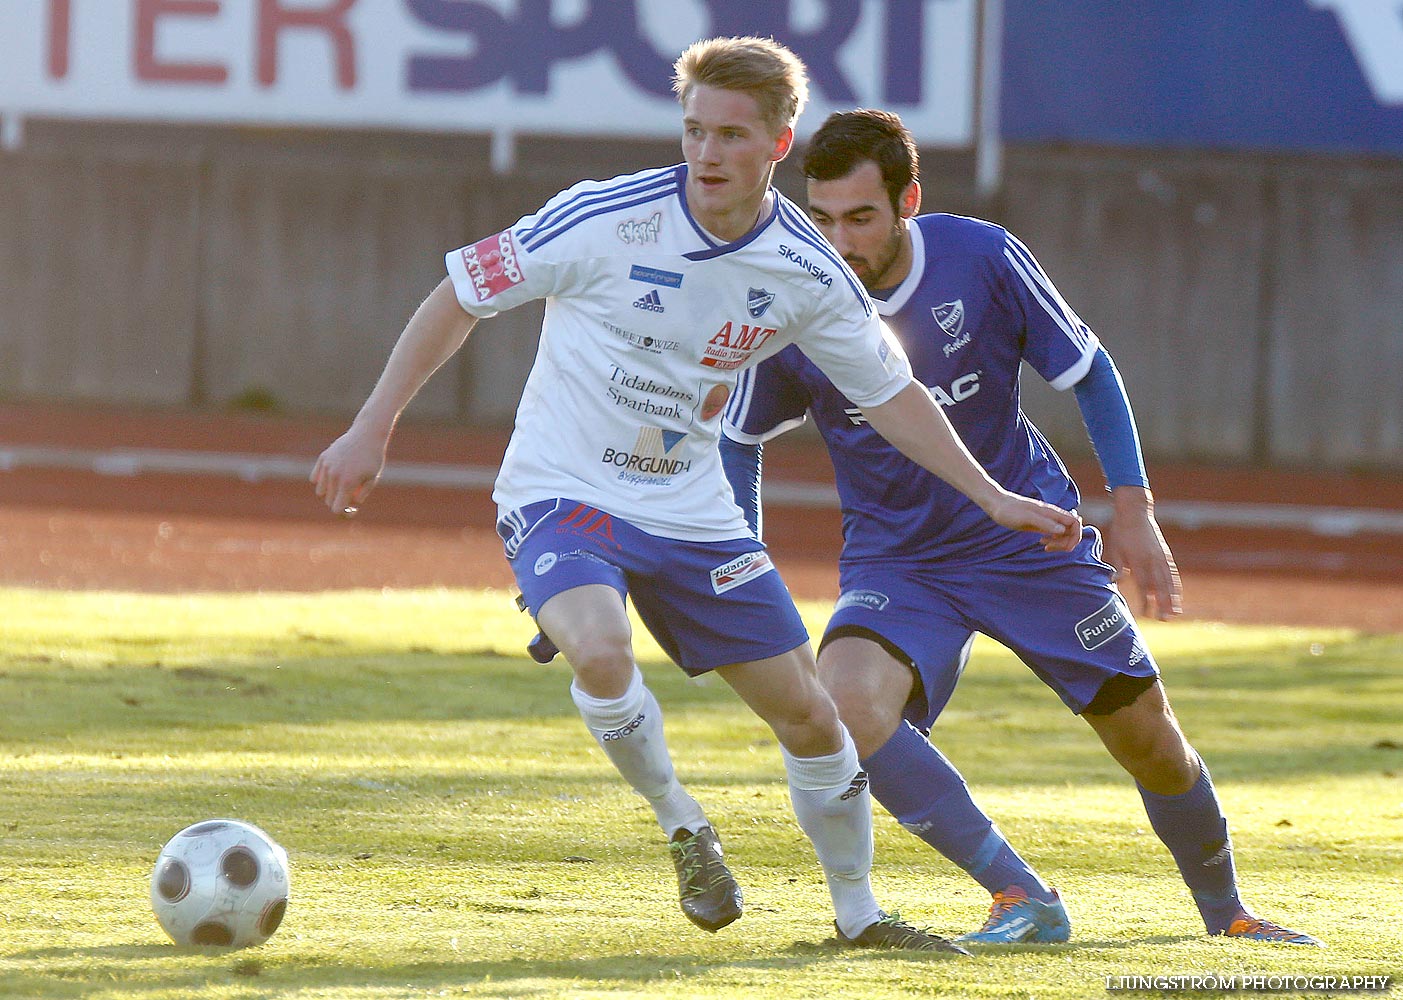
(591, 195)
(542, 238)
(1033, 272)
(1060, 312)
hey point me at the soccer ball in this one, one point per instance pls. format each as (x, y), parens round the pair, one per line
(222, 883)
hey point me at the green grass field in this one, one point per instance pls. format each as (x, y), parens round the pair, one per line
(454, 832)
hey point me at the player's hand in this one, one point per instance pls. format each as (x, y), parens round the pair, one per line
(347, 471)
(1135, 546)
(1060, 529)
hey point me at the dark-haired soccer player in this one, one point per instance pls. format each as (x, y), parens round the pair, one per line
(923, 569)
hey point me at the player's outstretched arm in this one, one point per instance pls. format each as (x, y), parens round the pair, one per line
(1135, 545)
(346, 472)
(913, 422)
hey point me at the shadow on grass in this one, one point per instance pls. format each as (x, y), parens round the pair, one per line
(112, 965)
(260, 971)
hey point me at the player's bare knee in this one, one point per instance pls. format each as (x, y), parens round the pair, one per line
(1160, 759)
(603, 664)
(866, 718)
(808, 725)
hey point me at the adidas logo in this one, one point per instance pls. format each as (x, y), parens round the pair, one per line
(858, 786)
(651, 302)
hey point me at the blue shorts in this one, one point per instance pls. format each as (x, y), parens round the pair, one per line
(1060, 612)
(708, 604)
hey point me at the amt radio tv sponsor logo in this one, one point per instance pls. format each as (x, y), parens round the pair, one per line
(733, 344)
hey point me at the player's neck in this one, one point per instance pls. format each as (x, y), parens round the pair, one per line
(900, 267)
(732, 225)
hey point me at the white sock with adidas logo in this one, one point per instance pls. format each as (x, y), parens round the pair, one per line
(834, 808)
(629, 729)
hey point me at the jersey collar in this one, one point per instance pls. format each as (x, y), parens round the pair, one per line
(715, 248)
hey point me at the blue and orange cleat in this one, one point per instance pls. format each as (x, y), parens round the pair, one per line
(1254, 929)
(1014, 918)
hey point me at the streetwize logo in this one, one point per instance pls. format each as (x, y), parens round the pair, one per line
(644, 342)
(740, 571)
(1095, 630)
(492, 265)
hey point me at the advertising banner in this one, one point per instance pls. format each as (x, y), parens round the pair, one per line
(595, 67)
(1271, 75)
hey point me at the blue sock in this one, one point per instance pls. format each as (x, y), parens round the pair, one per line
(1193, 827)
(917, 785)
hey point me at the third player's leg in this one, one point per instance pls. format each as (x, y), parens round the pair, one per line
(869, 686)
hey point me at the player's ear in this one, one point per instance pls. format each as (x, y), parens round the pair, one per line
(910, 201)
(784, 142)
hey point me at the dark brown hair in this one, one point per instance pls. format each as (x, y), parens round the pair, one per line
(848, 138)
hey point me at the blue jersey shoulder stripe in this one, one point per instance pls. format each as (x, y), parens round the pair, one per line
(583, 208)
(536, 242)
(740, 400)
(579, 209)
(797, 223)
(1042, 289)
(621, 186)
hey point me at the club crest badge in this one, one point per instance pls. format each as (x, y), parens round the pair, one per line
(758, 301)
(951, 317)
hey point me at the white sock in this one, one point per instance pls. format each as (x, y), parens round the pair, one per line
(629, 729)
(834, 808)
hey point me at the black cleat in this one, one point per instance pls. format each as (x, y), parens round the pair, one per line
(710, 896)
(893, 932)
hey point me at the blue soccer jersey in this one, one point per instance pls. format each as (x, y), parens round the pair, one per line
(975, 306)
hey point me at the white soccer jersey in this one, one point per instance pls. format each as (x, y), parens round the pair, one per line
(648, 319)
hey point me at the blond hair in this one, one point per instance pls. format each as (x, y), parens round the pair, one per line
(760, 67)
